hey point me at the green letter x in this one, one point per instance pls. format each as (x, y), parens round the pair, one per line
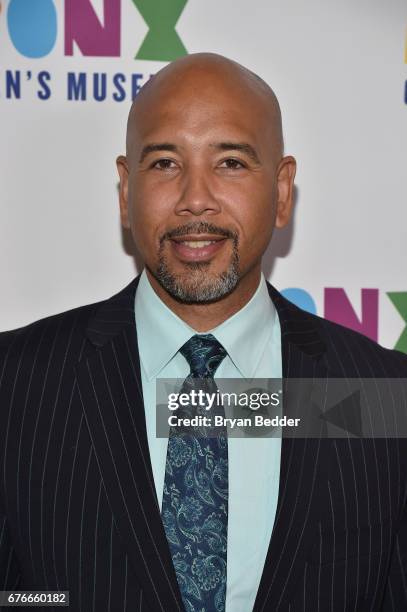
(162, 42)
(399, 300)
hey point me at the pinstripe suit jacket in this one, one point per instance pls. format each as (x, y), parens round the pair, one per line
(78, 509)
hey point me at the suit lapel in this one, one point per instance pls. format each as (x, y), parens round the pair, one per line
(303, 467)
(110, 388)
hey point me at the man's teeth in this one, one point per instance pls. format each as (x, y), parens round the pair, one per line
(196, 244)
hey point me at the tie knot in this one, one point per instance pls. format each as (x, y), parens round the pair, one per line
(204, 354)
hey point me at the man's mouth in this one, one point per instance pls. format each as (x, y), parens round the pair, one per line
(195, 248)
(197, 244)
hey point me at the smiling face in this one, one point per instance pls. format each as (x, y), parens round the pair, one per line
(203, 183)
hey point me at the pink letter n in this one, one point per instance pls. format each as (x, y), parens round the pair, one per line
(83, 26)
(339, 309)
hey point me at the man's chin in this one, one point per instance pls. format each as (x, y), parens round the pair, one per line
(197, 285)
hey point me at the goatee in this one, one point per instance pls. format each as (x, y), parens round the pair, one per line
(197, 285)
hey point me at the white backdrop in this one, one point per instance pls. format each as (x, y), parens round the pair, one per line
(338, 70)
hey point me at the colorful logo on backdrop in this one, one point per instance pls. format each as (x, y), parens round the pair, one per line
(33, 28)
(338, 308)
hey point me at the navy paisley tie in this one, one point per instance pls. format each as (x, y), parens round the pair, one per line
(195, 498)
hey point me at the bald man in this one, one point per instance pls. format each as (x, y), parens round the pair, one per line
(93, 499)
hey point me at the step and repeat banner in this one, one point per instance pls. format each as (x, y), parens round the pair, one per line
(69, 71)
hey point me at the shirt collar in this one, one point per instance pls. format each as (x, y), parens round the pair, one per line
(161, 333)
(246, 334)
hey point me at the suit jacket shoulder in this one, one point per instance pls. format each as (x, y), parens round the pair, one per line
(30, 349)
(380, 361)
(71, 327)
(348, 353)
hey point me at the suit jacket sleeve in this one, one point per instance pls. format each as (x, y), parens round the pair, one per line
(395, 597)
(9, 566)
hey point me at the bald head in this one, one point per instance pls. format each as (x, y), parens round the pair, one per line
(210, 75)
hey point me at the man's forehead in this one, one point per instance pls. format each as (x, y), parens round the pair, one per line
(212, 84)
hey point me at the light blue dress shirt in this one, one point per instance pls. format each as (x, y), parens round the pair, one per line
(252, 339)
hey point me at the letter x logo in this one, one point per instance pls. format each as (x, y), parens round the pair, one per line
(162, 42)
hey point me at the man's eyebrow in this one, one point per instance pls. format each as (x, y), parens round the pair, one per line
(156, 146)
(244, 147)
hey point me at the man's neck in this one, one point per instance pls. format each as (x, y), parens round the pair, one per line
(203, 317)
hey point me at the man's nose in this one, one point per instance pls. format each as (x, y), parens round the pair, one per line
(197, 196)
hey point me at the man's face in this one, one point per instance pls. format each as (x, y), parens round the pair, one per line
(202, 191)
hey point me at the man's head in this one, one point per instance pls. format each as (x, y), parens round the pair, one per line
(204, 180)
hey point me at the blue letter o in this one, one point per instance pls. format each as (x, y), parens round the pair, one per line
(32, 26)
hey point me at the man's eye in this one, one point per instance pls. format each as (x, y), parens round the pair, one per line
(232, 164)
(164, 164)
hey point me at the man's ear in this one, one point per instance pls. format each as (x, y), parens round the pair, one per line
(123, 170)
(285, 190)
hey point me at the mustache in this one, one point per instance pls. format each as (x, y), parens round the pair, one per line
(199, 227)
